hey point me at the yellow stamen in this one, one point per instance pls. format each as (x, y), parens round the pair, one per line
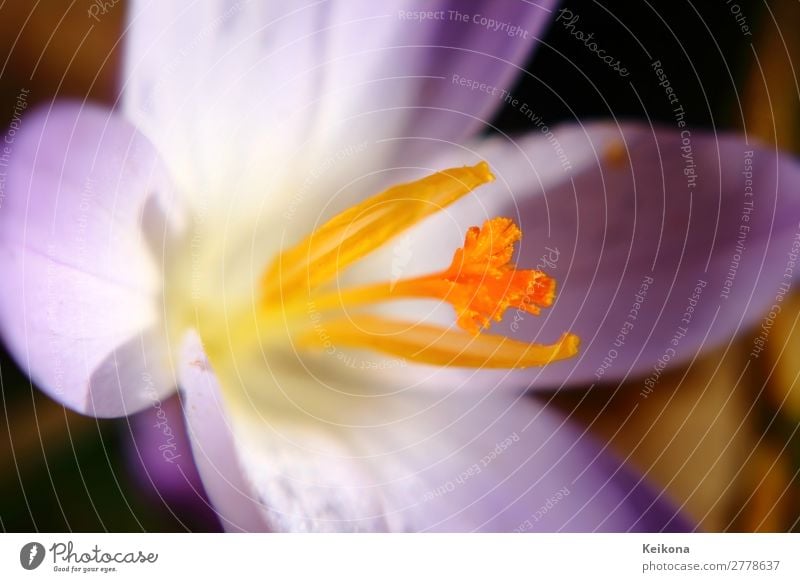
(427, 344)
(480, 283)
(365, 227)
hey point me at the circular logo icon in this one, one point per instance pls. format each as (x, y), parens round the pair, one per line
(31, 555)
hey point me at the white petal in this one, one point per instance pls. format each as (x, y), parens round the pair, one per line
(240, 95)
(232, 495)
(299, 453)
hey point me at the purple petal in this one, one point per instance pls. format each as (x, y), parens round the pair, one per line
(229, 91)
(406, 462)
(160, 457)
(655, 264)
(77, 297)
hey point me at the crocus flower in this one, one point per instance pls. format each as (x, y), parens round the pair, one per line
(219, 231)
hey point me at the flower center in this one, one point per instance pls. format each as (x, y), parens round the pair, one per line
(480, 283)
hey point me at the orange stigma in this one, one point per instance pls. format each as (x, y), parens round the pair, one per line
(481, 283)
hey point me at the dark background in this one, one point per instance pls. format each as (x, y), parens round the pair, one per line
(63, 472)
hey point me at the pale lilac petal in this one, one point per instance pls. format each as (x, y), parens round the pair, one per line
(78, 306)
(249, 92)
(718, 257)
(488, 462)
(404, 462)
(131, 376)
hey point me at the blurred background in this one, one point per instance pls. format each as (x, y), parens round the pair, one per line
(726, 450)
